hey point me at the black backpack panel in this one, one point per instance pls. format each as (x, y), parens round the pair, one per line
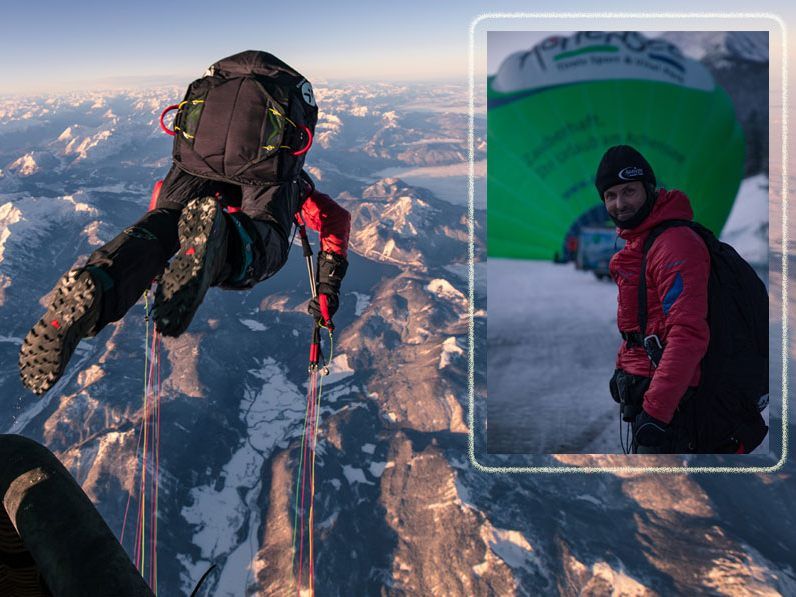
(249, 120)
(734, 372)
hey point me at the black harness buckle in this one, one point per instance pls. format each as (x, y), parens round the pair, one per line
(654, 348)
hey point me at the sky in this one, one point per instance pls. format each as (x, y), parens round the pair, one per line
(52, 45)
(57, 42)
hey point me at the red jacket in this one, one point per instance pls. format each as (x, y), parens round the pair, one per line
(333, 222)
(678, 267)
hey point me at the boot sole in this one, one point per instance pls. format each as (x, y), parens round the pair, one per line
(186, 280)
(49, 345)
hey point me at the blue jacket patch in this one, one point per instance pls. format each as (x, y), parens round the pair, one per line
(675, 291)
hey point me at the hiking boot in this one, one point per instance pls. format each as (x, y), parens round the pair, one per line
(199, 264)
(73, 314)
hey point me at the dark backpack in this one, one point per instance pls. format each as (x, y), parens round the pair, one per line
(249, 120)
(733, 389)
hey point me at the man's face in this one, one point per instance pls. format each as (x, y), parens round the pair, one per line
(623, 200)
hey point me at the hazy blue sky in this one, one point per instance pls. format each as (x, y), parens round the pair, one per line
(50, 45)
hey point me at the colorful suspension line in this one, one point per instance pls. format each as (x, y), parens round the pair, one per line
(304, 510)
(148, 455)
(303, 507)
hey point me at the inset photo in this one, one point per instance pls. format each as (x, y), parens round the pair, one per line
(627, 242)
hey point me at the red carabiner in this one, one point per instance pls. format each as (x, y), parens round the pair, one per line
(163, 115)
(306, 148)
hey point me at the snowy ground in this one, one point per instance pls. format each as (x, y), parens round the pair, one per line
(551, 346)
(552, 341)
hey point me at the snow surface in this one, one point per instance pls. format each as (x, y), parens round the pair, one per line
(363, 300)
(443, 289)
(339, 369)
(272, 409)
(377, 468)
(254, 325)
(552, 341)
(25, 219)
(355, 475)
(746, 228)
(512, 547)
(450, 350)
(551, 346)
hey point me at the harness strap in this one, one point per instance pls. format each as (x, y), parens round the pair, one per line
(633, 339)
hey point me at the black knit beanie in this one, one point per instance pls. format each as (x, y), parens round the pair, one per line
(620, 164)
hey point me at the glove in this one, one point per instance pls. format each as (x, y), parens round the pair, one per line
(650, 431)
(332, 302)
(331, 271)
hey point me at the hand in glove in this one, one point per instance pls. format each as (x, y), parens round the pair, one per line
(316, 309)
(331, 270)
(650, 431)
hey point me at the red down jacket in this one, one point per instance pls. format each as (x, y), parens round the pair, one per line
(678, 267)
(332, 222)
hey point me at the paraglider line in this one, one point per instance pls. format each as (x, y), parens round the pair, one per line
(305, 456)
(141, 431)
(299, 477)
(312, 478)
(157, 473)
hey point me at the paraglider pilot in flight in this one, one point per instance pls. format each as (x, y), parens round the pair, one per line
(226, 207)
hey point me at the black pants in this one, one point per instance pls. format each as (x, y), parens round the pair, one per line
(141, 252)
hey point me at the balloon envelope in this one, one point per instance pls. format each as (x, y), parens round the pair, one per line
(553, 111)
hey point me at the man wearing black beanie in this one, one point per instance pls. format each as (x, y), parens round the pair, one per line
(677, 272)
(618, 176)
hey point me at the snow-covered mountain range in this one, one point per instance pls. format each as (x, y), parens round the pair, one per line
(399, 507)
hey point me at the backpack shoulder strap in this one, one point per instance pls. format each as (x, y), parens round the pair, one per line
(642, 285)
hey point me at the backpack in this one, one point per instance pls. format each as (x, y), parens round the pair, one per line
(249, 120)
(733, 389)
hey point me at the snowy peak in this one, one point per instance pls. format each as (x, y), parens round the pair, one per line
(328, 129)
(81, 146)
(387, 189)
(32, 163)
(69, 133)
(24, 166)
(748, 45)
(406, 226)
(390, 119)
(711, 46)
(25, 222)
(738, 61)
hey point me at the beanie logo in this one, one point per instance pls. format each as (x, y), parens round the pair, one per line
(630, 173)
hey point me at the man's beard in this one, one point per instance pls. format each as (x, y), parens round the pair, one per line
(640, 215)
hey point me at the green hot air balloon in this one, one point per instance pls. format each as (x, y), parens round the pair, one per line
(554, 109)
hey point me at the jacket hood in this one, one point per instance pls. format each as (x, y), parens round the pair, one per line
(669, 205)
